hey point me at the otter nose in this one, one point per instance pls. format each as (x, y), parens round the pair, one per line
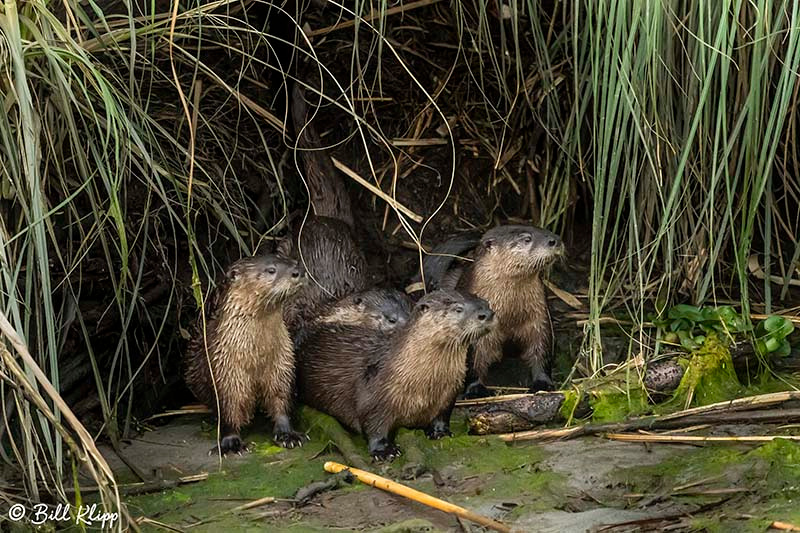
(486, 315)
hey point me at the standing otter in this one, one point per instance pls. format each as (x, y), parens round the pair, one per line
(374, 383)
(247, 356)
(324, 244)
(506, 272)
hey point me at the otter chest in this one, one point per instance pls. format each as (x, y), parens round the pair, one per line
(420, 395)
(256, 341)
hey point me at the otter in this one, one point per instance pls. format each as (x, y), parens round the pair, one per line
(382, 310)
(249, 359)
(324, 243)
(374, 382)
(508, 262)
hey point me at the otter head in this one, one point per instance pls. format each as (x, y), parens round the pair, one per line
(387, 309)
(454, 316)
(267, 277)
(521, 249)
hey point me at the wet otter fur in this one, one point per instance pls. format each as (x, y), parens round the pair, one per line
(508, 262)
(383, 310)
(323, 242)
(250, 359)
(374, 382)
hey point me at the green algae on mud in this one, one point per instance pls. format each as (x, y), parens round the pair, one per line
(471, 471)
(766, 480)
(709, 376)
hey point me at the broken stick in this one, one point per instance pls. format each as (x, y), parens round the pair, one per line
(388, 485)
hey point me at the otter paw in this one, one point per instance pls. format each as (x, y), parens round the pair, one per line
(438, 432)
(290, 439)
(542, 382)
(386, 453)
(229, 444)
(476, 390)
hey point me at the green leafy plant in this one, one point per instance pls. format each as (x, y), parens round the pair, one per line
(689, 325)
(772, 336)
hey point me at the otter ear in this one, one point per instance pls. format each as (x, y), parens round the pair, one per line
(488, 243)
(423, 307)
(232, 274)
(358, 300)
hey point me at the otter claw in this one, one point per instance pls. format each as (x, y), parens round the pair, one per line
(438, 433)
(387, 454)
(290, 439)
(541, 383)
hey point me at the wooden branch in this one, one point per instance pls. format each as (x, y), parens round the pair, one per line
(388, 485)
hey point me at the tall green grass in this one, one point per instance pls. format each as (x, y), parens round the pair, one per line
(687, 105)
(95, 184)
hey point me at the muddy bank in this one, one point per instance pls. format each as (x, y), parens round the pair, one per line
(588, 484)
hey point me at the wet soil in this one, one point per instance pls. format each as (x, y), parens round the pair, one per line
(588, 484)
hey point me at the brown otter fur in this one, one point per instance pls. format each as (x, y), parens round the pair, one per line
(249, 351)
(374, 383)
(334, 263)
(506, 270)
(383, 310)
(323, 243)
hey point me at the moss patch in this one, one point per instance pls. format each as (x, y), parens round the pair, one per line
(709, 376)
(476, 472)
(613, 404)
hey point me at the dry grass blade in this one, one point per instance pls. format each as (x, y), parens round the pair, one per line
(376, 191)
(84, 449)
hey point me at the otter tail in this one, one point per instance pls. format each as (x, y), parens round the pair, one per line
(327, 192)
(437, 264)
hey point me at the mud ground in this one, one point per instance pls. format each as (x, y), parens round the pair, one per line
(587, 484)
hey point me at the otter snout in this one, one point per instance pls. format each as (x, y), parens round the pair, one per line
(394, 320)
(485, 315)
(482, 318)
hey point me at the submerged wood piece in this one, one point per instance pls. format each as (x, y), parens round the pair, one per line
(691, 439)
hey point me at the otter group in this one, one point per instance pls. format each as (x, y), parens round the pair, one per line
(305, 322)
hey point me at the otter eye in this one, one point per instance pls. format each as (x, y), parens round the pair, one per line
(390, 319)
(527, 239)
(271, 270)
(460, 309)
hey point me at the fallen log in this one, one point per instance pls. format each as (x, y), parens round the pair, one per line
(519, 412)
